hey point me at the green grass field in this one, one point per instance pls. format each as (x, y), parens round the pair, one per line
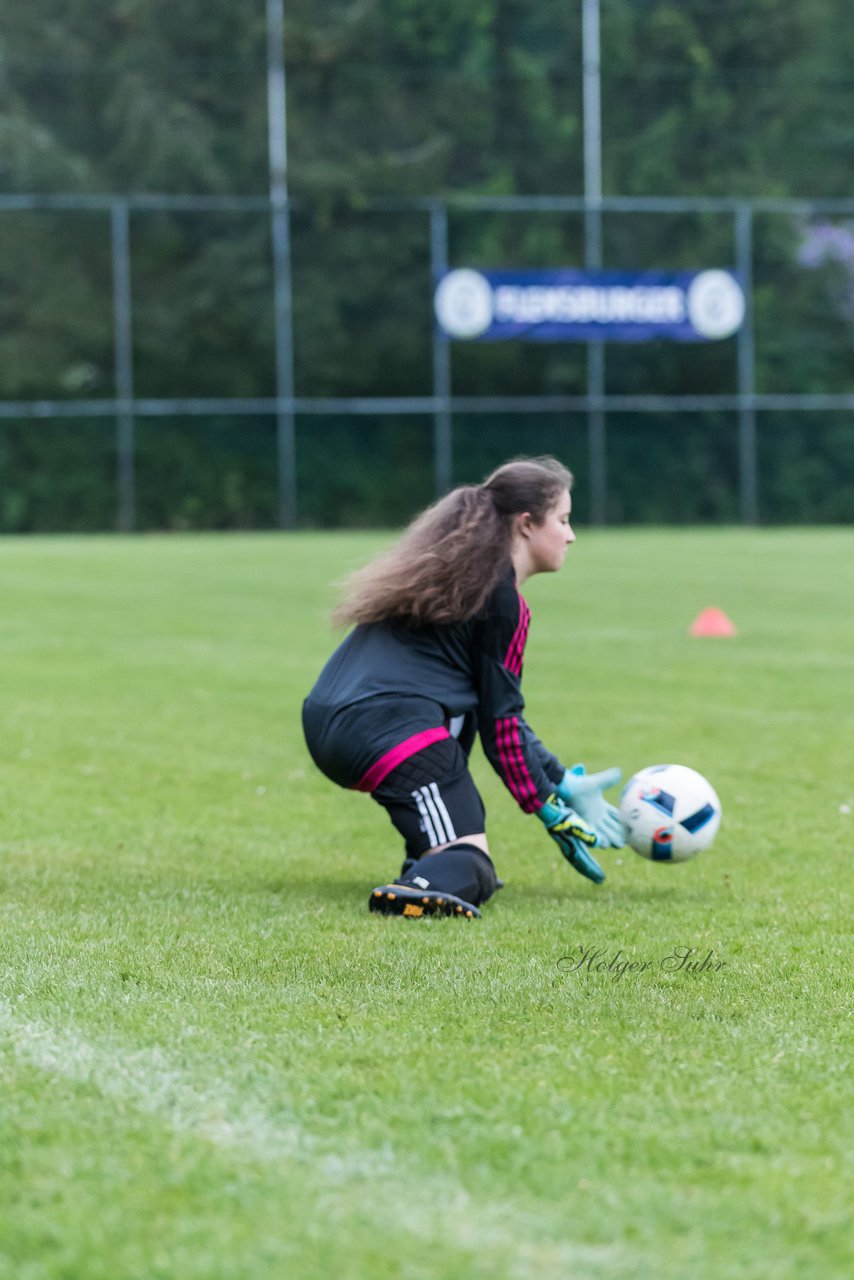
(216, 1064)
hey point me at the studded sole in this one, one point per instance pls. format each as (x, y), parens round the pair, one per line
(401, 900)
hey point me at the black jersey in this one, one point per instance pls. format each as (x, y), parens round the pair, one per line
(390, 690)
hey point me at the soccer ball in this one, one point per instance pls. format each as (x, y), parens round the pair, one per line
(670, 813)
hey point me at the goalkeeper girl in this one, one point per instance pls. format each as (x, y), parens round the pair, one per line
(434, 658)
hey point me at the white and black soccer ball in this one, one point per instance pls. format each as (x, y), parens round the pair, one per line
(670, 813)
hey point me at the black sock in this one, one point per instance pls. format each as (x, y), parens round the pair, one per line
(463, 870)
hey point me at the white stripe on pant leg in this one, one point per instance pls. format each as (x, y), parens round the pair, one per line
(428, 825)
(440, 805)
(435, 815)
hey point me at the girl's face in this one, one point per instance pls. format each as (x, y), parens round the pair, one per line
(547, 543)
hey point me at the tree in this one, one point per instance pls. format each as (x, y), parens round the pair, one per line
(393, 98)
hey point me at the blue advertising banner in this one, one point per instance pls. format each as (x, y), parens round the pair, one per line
(574, 306)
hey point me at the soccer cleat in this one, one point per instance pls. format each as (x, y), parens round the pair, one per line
(409, 863)
(407, 900)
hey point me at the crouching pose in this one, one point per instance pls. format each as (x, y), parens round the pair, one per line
(435, 657)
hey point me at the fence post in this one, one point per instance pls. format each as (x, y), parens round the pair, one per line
(747, 464)
(591, 55)
(442, 423)
(123, 358)
(282, 279)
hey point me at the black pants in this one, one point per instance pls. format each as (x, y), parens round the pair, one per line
(431, 798)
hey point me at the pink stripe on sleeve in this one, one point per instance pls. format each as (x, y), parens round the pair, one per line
(506, 766)
(516, 649)
(513, 765)
(509, 763)
(531, 801)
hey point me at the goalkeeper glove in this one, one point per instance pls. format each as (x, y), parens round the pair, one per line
(583, 793)
(573, 836)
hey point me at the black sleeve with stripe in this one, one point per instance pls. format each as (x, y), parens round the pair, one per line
(528, 770)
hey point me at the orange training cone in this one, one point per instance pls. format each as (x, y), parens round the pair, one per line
(712, 622)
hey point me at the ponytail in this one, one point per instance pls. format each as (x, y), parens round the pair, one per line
(450, 559)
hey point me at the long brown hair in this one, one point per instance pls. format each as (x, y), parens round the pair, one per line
(449, 560)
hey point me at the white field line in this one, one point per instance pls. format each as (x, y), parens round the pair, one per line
(146, 1079)
(428, 1205)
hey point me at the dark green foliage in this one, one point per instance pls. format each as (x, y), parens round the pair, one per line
(363, 471)
(362, 305)
(807, 468)
(402, 99)
(57, 476)
(802, 316)
(673, 468)
(206, 473)
(56, 321)
(482, 443)
(203, 307)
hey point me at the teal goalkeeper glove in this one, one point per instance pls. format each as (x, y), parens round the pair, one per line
(583, 793)
(573, 836)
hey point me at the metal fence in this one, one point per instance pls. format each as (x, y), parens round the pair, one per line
(442, 404)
